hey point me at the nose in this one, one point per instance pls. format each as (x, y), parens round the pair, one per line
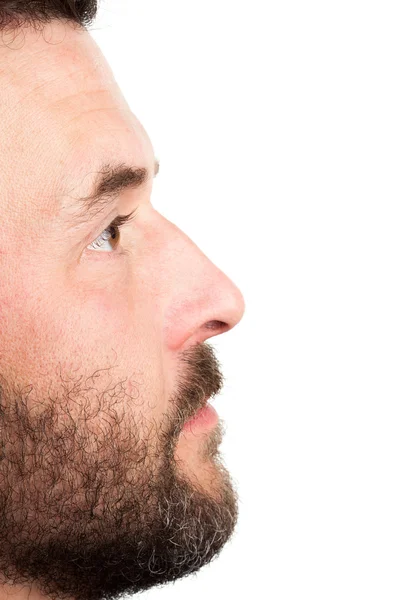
(202, 299)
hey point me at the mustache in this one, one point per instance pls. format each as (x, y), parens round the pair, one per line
(199, 379)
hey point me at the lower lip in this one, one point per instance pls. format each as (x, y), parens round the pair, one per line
(205, 418)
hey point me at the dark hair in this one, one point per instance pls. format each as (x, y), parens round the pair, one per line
(36, 13)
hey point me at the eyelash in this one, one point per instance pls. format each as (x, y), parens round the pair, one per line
(117, 224)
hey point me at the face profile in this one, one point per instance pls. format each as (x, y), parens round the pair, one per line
(111, 479)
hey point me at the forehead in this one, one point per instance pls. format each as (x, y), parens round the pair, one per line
(62, 112)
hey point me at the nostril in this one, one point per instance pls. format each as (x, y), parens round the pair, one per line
(213, 325)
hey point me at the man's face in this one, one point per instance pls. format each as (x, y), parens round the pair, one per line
(103, 359)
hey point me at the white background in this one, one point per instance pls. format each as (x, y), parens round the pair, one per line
(277, 129)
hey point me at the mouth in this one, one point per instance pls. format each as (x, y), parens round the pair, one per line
(205, 418)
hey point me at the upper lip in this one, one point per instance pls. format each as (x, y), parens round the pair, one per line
(203, 405)
(205, 402)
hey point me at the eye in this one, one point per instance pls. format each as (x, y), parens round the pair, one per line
(111, 235)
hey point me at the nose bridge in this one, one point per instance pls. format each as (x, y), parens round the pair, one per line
(197, 292)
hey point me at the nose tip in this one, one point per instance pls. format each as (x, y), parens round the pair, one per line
(241, 304)
(237, 306)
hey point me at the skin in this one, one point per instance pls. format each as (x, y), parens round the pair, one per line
(103, 355)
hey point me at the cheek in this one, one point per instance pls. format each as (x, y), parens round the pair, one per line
(98, 322)
(49, 330)
(123, 336)
(57, 330)
(102, 307)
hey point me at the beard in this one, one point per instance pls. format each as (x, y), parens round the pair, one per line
(95, 504)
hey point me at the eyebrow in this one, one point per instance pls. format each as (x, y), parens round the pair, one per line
(112, 179)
